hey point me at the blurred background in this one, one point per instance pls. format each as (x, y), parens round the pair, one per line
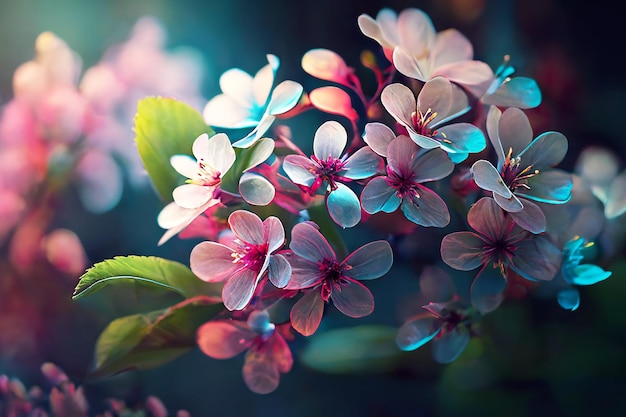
(539, 359)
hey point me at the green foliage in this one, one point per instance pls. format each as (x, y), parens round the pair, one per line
(144, 341)
(360, 349)
(165, 127)
(144, 270)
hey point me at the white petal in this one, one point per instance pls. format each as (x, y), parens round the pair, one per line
(330, 140)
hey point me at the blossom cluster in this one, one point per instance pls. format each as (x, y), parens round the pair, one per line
(443, 142)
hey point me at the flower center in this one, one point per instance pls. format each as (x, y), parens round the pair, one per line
(404, 184)
(422, 120)
(500, 251)
(513, 175)
(251, 256)
(326, 170)
(206, 175)
(333, 275)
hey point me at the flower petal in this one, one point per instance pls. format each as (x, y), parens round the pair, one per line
(212, 262)
(225, 111)
(436, 97)
(344, 206)
(370, 261)
(191, 196)
(223, 339)
(462, 250)
(304, 273)
(475, 76)
(377, 196)
(334, 100)
(247, 227)
(512, 205)
(330, 140)
(326, 65)
(569, 299)
(450, 345)
(259, 372)
(462, 138)
(417, 332)
(400, 102)
(220, 153)
(297, 168)
(256, 190)
(488, 178)
(488, 289)
(353, 299)
(401, 155)
(487, 218)
(279, 271)
(553, 186)
(415, 31)
(530, 217)
(493, 131)
(589, 274)
(451, 46)
(308, 242)
(238, 85)
(378, 136)
(284, 97)
(547, 150)
(426, 208)
(616, 202)
(536, 259)
(409, 66)
(306, 314)
(239, 289)
(514, 131)
(519, 92)
(431, 165)
(362, 164)
(263, 81)
(273, 233)
(185, 165)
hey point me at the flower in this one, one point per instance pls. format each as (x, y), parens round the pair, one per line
(438, 102)
(407, 167)
(251, 102)
(328, 166)
(524, 168)
(575, 273)
(267, 355)
(316, 270)
(520, 92)
(417, 51)
(243, 266)
(214, 157)
(446, 321)
(501, 243)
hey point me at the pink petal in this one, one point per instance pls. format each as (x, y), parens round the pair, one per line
(239, 289)
(462, 250)
(416, 32)
(212, 262)
(306, 314)
(260, 373)
(247, 227)
(325, 65)
(353, 299)
(408, 65)
(273, 234)
(333, 100)
(224, 339)
(304, 274)
(451, 46)
(487, 218)
(473, 75)
(514, 131)
(400, 102)
(308, 242)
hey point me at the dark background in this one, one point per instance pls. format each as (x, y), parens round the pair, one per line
(542, 361)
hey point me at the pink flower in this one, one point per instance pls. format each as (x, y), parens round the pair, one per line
(315, 268)
(243, 266)
(267, 353)
(417, 51)
(214, 157)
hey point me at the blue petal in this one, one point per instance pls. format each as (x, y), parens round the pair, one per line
(520, 92)
(362, 164)
(379, 196)
(461, 137)
(589, 274)
(569, 299)
(547, 150)
(553, 187)
(449, 347)
(343, 206)
(487, 290)
(458, 157)
(417, 332)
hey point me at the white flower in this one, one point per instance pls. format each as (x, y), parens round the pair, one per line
(213, 158)
(251, 102)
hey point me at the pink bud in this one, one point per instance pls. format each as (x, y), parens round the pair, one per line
(156, 407)
(326, 65)
(64, 250)
(333, 100)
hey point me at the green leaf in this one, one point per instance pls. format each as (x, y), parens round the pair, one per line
(144, 270)
(360, 349)
(165, 127)
(144, 341)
